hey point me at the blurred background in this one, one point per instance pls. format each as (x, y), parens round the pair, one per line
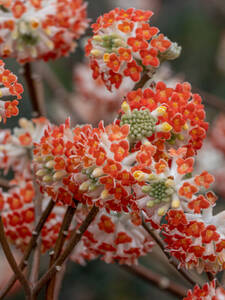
(199, 27)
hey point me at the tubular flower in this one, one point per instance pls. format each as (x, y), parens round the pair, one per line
(16, 147)
(209, 291)
(168, 183)
(41, 29)
(116, 237)
(9, 87)
(17, 210)
(196, 240)
(91, 93)
(124, 44)
(95, 160)
(173, 115)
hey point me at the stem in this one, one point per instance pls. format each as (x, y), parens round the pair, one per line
(160, 243)
(74, 240)
(30, 247)
(59, 279)
(4, 183)
(37, 252)
(142, 82)
(31, 79)
(161, 282)
(50, 291)
(12, 262)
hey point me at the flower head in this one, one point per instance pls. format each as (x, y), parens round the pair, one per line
(16, 147)
(18, 214)
(116, 237)
(9, 87)
(41, 29)
(124, 44)
(207, 292)
(198, 241)
(167, 117)
(168, 183)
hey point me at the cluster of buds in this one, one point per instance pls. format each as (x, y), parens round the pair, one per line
(40, 29)
(124, 44)
(207, 292)
(9, 87)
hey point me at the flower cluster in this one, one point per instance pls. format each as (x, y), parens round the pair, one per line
(16, 147)
(196, 240)
(94, 162)
(169, 184)
(18, 215)
(41, 29)
(179, 112)
(209, 291)
(115, 237)
(124, 44)
(9, 87)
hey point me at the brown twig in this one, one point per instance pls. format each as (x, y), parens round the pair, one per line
(11, 260)
(142, 82)
(31, 80)
(74, 240)
(30, 247)
(160, 243)
(4, 183)
(37, 252)
(160, 281)
(58, 248)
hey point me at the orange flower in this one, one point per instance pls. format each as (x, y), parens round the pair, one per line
(149, 57)
(120, 150)
(185, 166)
(187, 190)
(125, 54)
(146, 32)
(199, 203)
(160, 166)
(137, 43)
(106, 224)
(204, 179)
(133, 71)
(114, 62)
(117, 133)
(161, 43)
(112, 168)
(126, 27)
(210, 234)
(122, 238)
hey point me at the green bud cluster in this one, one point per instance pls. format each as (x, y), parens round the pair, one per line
(158, 191)
(142, 124)
(111, 42)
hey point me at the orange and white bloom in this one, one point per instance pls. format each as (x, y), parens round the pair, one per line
(40, 29)
(124, 44)
(9, 87)
(209, 291)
